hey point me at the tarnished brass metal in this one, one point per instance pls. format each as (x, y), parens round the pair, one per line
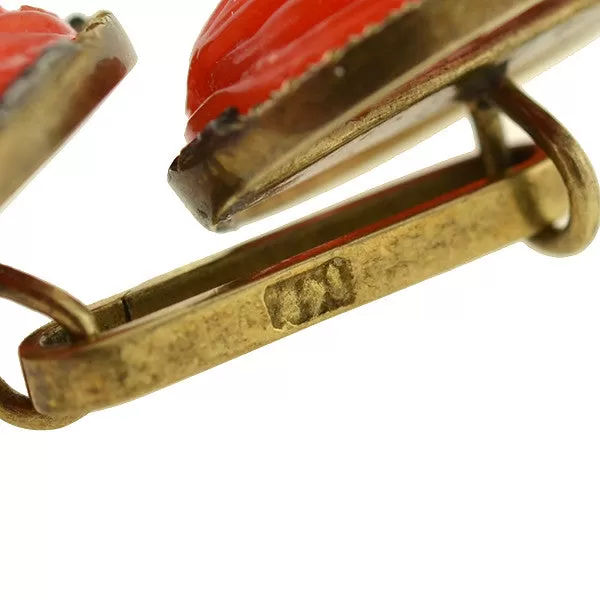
(42, 297)
(487, 125)
(312, 134)
(365, 104)
(570, 160)
(211, 312)
(45, 107)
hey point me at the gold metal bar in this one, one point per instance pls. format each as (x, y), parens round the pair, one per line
(204, 315)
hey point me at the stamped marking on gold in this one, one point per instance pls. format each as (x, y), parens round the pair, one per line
(306, 297)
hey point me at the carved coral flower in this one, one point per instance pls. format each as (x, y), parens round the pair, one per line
(250, 48)
(25, 34)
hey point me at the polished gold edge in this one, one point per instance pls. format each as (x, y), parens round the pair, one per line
(63, 96)
(131, 359)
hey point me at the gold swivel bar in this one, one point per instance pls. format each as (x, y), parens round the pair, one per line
(220, 308)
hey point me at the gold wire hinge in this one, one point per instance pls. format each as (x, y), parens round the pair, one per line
(208, 313)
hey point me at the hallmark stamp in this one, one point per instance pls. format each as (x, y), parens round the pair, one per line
(306, 297)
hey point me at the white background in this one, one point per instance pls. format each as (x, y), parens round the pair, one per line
(441, 443)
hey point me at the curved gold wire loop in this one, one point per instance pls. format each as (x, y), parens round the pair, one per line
(28, 291)
(571, 162)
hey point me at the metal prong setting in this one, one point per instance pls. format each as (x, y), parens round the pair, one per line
(78, 21)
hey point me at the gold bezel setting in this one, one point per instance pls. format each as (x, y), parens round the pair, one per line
(45, 108)
(325, 128)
